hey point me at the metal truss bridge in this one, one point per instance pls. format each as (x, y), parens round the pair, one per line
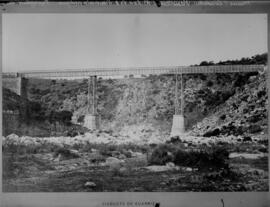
(76, 73)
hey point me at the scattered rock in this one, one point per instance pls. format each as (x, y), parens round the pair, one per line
(122, 156)
(122, 169)
(170, 164)
(188, 169)
(214, 132)
(135, 154)
(13, 136)
(65, 154)
(161, 168)
(254, 128)
(115, 153)
(263, 149)
(137, 189)
(96, 158)
(174, 140)
(90, 184)
(112, 160)
(247, 139)
(196, 179)
(58, 158)
(128, 154)
(163, 183)
(223, 117)
(246, 155)
(94, 150)
(114, 163)
(75, 152)
(213, 176)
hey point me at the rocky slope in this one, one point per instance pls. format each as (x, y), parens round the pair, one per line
(244, 113)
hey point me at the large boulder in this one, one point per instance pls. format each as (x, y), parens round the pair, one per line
(90, 184)
(255, 128)
(13, 137)
(65, 154)
(161, 168)
(114, 163)
(212, 133)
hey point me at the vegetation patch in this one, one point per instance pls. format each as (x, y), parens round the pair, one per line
(214, 158)
(162, 154)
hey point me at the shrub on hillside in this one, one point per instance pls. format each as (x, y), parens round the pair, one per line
(66, 153)
(162, 154)
(212, 158)
(63, 116)
(19, 148)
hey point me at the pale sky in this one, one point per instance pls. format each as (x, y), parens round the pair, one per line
(76, 41)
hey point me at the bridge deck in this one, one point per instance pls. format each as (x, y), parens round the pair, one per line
(138, 71)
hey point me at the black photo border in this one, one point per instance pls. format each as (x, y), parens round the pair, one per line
(165, 199)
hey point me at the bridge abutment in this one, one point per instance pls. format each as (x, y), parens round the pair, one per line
(19, 85)
(12, 83)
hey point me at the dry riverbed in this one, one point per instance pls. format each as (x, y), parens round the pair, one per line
(39, 165)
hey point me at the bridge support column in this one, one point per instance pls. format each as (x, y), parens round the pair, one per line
(90, 119)
(178, 124)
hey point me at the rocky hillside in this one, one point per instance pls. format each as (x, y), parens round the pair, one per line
(244, 113)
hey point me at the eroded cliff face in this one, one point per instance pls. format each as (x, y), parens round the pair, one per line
(243, 114)
(145, 101)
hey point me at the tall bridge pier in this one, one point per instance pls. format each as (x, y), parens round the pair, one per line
(178, 124)
(90, 119)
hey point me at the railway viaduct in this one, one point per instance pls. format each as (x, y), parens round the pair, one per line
(17, 82)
